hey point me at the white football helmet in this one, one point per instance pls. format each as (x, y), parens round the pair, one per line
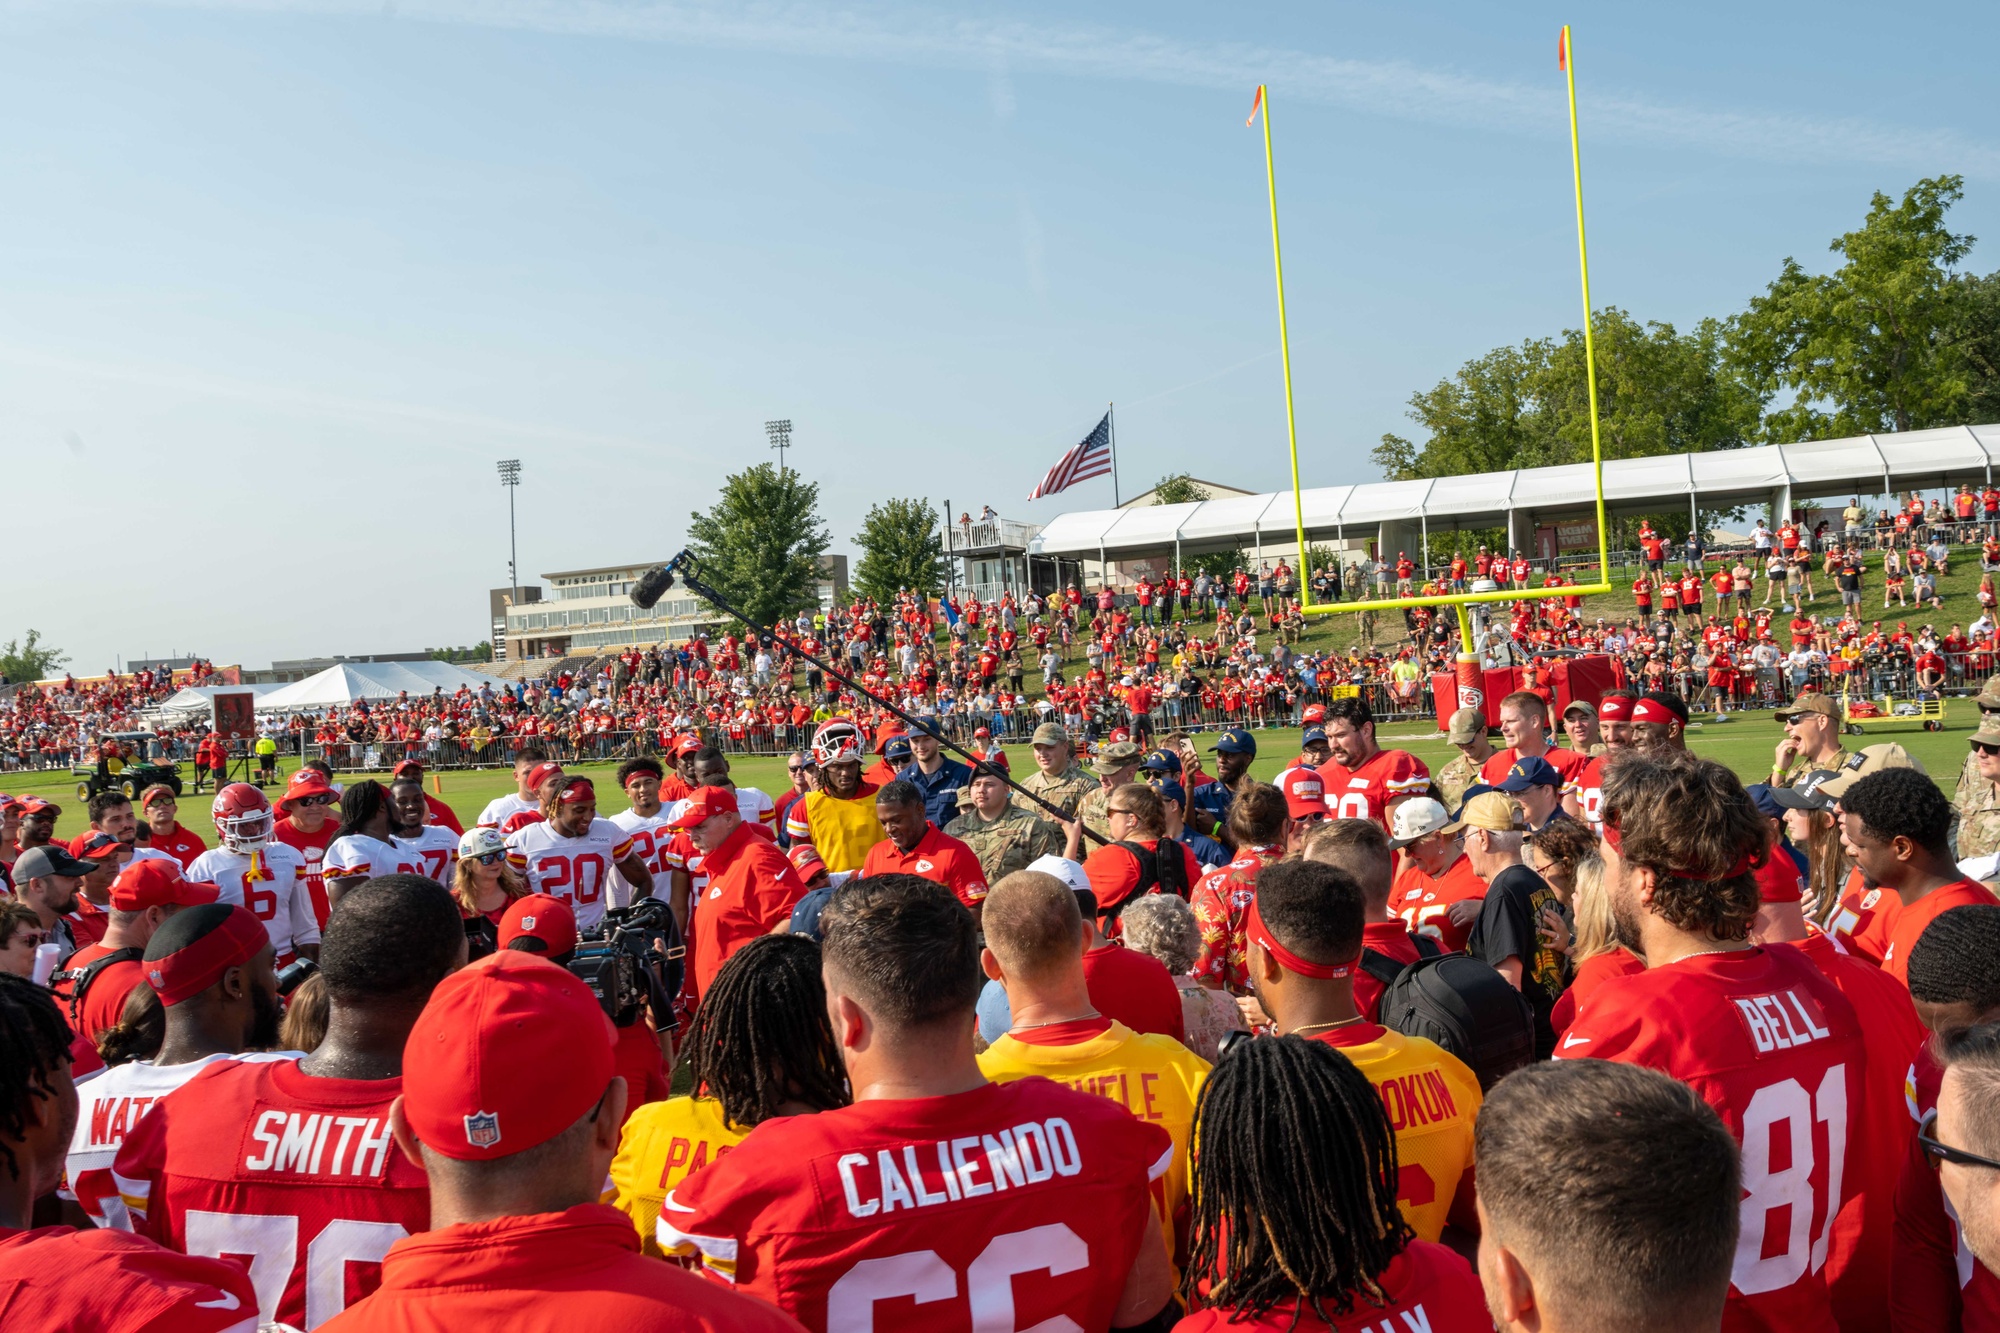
(243, 817)
(837, 741)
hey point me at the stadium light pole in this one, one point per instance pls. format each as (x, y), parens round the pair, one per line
(780, 433)
(510, 478)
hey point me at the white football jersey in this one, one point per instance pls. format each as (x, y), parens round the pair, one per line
(501, 808)
(650, 836)
(753, 805)
(278, 897)
(438, 847)
(153, 854)
(109, 1104)
(359, 856)
(577, 870)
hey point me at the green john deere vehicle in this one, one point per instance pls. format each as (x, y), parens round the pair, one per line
(132, 773)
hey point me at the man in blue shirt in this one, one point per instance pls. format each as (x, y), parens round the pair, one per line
(1208, 803)
(936, 778)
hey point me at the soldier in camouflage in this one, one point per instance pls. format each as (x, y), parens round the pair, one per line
(1812, 739)
(1001, 834)
(1058, 778)
(1468, 732)
(1977, 805)
(1116, 764)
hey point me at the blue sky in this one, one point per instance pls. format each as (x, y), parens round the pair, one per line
(302, 271)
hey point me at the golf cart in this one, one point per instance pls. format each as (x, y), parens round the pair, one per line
(132, 774)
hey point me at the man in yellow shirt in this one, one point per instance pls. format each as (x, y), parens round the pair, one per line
(1305, 937)
(1034, 949)
(760, 1047)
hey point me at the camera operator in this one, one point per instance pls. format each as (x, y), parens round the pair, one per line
(539, 924)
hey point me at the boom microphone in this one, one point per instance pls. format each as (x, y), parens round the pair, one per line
(652, 586)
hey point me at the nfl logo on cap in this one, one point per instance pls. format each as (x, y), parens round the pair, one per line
(527, 923)
(482, 1130)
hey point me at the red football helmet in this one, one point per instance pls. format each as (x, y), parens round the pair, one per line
(243, 817)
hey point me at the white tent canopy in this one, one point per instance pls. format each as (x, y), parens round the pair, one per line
(199, 698)
(342, 684)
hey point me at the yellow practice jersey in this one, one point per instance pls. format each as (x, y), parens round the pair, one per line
(663, 1144)
(1152, 1076)
(840, 831)
(1432, 1100)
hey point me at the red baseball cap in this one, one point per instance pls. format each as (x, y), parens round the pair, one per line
(464, 1093)
(542, 772)
(197, 965)
(549, 920)
(805, 859)
(686, 744)
(1305, 794)
(94, 845)
(705, 803)
(407, 766)
(35, 805)
(305, 782)
(153, 882)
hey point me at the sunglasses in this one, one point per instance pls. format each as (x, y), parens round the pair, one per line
(33, 941)
(1939, 1152)
(798, 768)
(490, 858)
(315, 800)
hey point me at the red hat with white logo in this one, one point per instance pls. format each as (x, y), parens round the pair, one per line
(305, 782)
(154, 882)
(704, 803)
(95, 845)
(1305, 794)
(548, 919)
(463, 1090)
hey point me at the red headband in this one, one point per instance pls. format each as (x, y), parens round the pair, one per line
(1260, 934)
(1614, 708)
(576, 789)
(1648, 711)
(1616, 840)
(193, 968)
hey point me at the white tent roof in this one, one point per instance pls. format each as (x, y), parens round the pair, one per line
(1864, 465)
(343, 683)
(197, 698)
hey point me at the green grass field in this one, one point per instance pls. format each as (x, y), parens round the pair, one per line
(1745, 743)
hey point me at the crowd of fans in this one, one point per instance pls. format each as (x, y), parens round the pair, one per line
(1576, 1034)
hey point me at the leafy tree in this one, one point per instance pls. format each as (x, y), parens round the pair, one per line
(23, 660)
(1180, 489)
(1880, 344)
(900, 548)
(1979, 321)
(478, 652)
(761, 543)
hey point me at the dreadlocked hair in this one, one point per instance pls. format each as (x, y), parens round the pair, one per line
(1295, 1185)
(34, 1044)
(359, 804)
(761, 1036)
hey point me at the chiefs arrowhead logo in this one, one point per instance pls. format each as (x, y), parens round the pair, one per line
(923, 867)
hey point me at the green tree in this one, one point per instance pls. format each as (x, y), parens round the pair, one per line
(900, 548)
(478, 652)
(1180, 489)
(23, 660)
(1979, 320)
(1881, 343)
(761, 543)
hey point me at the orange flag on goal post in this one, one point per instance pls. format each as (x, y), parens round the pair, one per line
(1256, 105)
(1562, 49)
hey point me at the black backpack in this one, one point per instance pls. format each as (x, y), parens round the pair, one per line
(1460, 1002)
(1168, 873)
(71, 985)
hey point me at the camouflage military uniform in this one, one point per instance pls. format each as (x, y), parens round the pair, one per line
(1008, 843)
(1063, 792)
(1092, 812)
(1977, 807)
(1800, 766)
(1454, 778)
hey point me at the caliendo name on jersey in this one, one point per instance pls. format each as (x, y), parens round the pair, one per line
(968, 1167)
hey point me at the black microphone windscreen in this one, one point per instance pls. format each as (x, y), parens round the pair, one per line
(652, 586)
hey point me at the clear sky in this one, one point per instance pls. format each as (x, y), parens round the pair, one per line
(281, 279)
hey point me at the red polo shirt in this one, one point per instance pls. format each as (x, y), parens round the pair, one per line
(937, 857)
(181, 844)
(751, 891)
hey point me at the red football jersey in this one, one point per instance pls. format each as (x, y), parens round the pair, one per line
(1569, 763)
(1939, 1283)
(1913, 918)
(297, 1176)
(1365, 792)
(1862, 921)
(1428, 1286)
(109, 1282)
(923, 1212)
(1424, 901)
(1777, 1050)
(1858, 1270)
(1590, 789)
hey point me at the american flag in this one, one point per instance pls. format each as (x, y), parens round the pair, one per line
(1092, 458)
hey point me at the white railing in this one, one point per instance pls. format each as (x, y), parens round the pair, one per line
(991, 534)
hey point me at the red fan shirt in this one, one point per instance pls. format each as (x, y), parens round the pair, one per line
(1428, 1287)
(1569, 763)
(1135, 989)
(1364, 792)
(1912, 918)
(1777, 1050)
(311, 848)
(111, 1282)
(1391, 939)
(1015, 1205)
(297, 1177)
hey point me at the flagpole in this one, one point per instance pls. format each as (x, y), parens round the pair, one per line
(1111, 422)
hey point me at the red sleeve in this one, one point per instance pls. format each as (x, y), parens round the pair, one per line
(444, 815)
(1924, 1290)
(1113, 872)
